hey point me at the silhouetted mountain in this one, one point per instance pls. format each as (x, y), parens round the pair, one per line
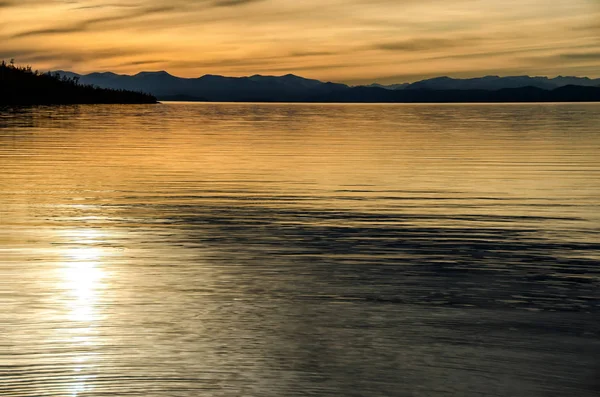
(498, 83)
(23, 86)
(291, 88)
(390, 86)
(568, 93)
(212, 87)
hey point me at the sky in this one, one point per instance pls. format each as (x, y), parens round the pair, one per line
(349, 41)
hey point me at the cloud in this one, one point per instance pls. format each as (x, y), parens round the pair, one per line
(301, 54)
(145, 62)
(228, 62)
(58, 30)
(416, 45)
(592, 56)
(339, 40)
(31, 54)
(91, 23)
(133, 15)
(105, 5)
(233, 3)
(21, 3)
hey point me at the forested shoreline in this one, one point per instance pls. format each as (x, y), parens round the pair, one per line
(25, 86)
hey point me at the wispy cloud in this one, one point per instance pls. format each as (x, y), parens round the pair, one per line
(29, 55)
(591, 56)
(300, 54)
(424, 44)
(94, 22)
(144, 62)
(233, 3)
(105, 5)
(57, 30)
(27, 3)
(339, 40)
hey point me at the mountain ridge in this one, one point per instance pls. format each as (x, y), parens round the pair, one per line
(293, 88)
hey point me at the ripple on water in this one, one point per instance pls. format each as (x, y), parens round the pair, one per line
(273, 249)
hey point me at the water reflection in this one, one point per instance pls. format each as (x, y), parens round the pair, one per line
(82, 275)
(300, 250)
(83, 281)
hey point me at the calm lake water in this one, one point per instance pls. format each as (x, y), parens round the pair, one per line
(300, 250)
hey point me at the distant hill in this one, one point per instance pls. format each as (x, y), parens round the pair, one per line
(23, 86)
(390, 86)
(498, 83)
(570, 93)
(213, 88)
(491, 83)
(291, 88)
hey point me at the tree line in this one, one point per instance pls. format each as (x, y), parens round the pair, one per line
(24, 86)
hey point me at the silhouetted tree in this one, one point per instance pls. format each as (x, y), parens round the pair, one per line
(24, 86)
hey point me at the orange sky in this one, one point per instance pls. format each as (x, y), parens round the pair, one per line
(352, 41)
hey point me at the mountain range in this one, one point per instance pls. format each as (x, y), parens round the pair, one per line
(291, 88)
(496, 83)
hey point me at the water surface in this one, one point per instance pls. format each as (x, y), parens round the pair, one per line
(300, 250)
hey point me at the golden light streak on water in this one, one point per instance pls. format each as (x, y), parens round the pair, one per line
(82, 281)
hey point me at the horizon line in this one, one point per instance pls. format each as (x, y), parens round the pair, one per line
(549, 77)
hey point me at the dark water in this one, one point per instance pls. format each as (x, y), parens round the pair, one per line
(300, 250)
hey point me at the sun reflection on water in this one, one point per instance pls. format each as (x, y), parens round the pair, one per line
(83, 279)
